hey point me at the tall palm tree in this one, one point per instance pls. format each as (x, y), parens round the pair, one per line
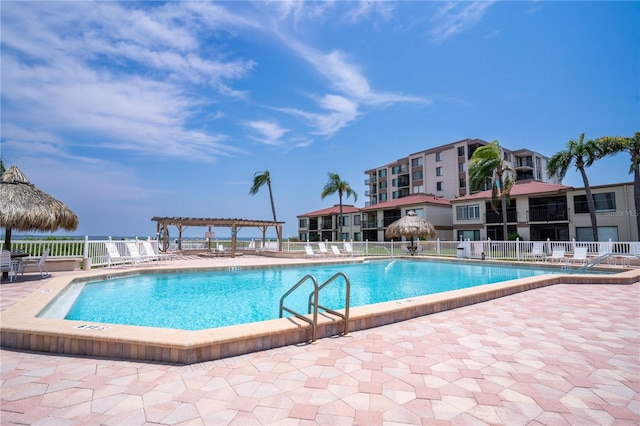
(614, 145)
(488, 166)
(259, 179)
(582, 154)
(335, 184)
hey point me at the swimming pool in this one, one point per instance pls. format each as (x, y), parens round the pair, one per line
(203, 300)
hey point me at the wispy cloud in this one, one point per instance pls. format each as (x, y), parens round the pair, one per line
(268, 132)
(453, 18)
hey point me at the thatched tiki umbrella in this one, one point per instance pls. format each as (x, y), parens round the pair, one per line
(26, 208)
(410, 226)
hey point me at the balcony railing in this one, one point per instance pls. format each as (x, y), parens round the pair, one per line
(493, 217)
(369, 224)
(546, 215)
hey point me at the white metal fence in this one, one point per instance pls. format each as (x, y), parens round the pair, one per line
(95, 252)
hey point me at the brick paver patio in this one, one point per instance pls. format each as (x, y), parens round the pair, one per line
(565, 354)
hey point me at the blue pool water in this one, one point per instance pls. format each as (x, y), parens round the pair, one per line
(200, 300)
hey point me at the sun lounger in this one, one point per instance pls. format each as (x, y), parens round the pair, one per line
(153, 255)
(134, 252)
(579, 255)
(336, 251)
(348, 249)
(323, 249)
(557, 255)
(537, 251)
(310, 252)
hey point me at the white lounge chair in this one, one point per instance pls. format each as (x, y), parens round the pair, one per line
(310, 252)
(537, 251)
(579, 255)
(323, 249)
(134, 252)
(150, 252)
(336, 251)
(40, 263)
(7, 265)
(557, 255)
(348, 248)
(113, 255)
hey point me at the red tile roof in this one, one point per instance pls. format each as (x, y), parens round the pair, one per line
(408, 200)
(346, 208)
(521, 188)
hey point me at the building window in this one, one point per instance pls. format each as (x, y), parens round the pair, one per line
(382, 173)
(468, 212)
(463, 183)
(604, 233)
(356, 220)
(419, 212)
(418, 189)
(439, 186)
(604, 202)
(302, 223)
(382, 184)
(417, 175)
(471, 235)
(394, 182)
(438, 171)
(383, 197)
(345, 220)
(461, 151)
(416, 162)
(438, 156)
(461, 167)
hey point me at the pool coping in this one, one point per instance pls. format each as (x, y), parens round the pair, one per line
(21, 328)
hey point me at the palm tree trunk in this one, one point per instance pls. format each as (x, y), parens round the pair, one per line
(273, 206)
(590, 204)
(636, 196)
(340, 219)
(503, 202)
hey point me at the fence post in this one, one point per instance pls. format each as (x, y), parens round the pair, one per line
(438, 247)
(517, 248)
(86, 260)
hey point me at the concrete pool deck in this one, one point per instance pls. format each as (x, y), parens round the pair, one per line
(564, 354)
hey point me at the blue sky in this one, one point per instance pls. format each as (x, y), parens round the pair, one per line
(125, 111)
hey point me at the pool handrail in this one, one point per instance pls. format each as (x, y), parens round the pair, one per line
(347, 296)
(314, 322)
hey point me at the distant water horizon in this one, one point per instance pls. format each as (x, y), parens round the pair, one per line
(15, 237)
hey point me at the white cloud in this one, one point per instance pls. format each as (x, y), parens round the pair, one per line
(270, 132)
(453, 18)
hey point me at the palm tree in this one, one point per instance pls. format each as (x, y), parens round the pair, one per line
(581, 153)
(488, 166)
(614, 145)
(259, 179)
(335, 184)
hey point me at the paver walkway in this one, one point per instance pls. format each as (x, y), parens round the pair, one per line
(566, 354)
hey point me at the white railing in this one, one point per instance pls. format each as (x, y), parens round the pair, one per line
(94, 252)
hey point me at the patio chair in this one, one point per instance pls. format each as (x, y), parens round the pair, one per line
(40, 263)
(151, 253)
(348, 249)
(579, 255)
(134, 253)
(336, 251)
(323, 249)
(537, 251)
(113, 255)
(557, 255)
(309, 252)
(7, 265)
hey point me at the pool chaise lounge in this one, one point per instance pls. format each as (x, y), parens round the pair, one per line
(22, 328)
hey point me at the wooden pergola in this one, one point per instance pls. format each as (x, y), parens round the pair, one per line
(183, 223)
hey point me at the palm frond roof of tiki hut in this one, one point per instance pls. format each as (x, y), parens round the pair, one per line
(411, 226)
(24, 207)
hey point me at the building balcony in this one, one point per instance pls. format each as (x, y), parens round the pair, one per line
(493, 217)
(369, 224)
(546, 215)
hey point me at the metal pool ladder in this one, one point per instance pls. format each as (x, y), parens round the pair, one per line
(313, 303)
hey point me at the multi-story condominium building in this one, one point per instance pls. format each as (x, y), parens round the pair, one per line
(539, 210)
(444, 171)
(321, 225)
(376, 218)
(369, 223)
